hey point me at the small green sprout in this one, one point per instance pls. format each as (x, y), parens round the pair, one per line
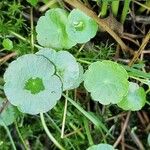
(7, 44)
(8, 114)
(35, 88)
(101, 147)
(107, 82)
(80, 27)
(135, 99)
(67, 68)
(51, 30)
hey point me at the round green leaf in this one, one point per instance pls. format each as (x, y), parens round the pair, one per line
(67, 67)
(107, 81)
(135, 99)
(80, 27)
(30, 84)
(7, 44)
(101, 147)
(8, 114)
(51, 30)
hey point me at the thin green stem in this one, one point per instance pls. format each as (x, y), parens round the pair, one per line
(145, 6)
(80, 50)
(23, 39)
(141, 80)
(9, 135)
(115, 7)
(49, 134)
(84, 61)
(105, 136)
(19, 36)
(32, 29)
(88, 133)
(135, 72)
(142, 9)
(148, 90)
(59, 130)
(148, 103)
(52, 122)
(20, 136)
(104, 9)
(125, 11)
(64, 116)
(49, 4)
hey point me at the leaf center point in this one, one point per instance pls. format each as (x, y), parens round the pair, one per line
(34, 85)
(79, 26)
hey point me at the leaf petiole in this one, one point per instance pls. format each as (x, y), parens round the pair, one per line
(49, 134)
(9, 134)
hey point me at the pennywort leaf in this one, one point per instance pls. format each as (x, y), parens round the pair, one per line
(101, 147)
(135, 99)
(35, 89)
(80, 27)
(67, 68)
(8, 114)
(51, 30)
(107, 82)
